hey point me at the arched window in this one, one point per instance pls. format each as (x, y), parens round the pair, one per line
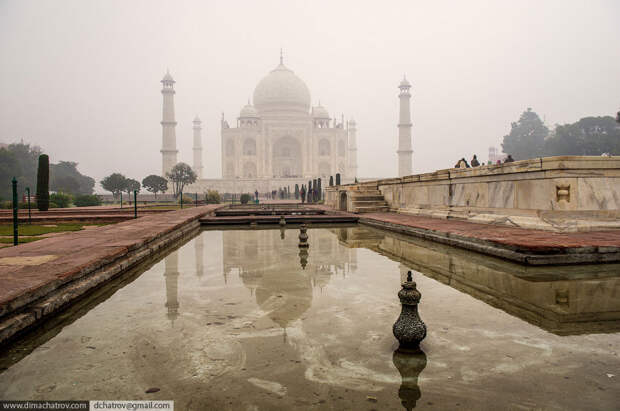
(249, 147)
(324, 148)
(230, 148)
(341, 148)
(286, 152)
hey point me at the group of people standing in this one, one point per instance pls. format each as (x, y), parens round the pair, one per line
(462, 163)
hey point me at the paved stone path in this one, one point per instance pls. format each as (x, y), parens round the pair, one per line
(32, 270)
(518, 238)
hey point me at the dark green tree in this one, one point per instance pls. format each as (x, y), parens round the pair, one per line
(590, 136)
(155, 184)
(296, 191)
(65, 177)
(114, 183)
(9, 168)
(527, 137)
(132, 185)
(43, 183)
(180, 176)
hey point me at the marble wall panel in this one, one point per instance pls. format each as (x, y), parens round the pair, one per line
(502, 194)
(470, 195)
(543, 194)
(599, 193)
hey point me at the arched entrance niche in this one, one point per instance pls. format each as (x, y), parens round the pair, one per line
(287, 159)
(343, 201)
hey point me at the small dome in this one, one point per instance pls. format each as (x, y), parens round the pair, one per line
(352, 122)
(319, 112)
(282, 89)
(248, 111)
(197, 119)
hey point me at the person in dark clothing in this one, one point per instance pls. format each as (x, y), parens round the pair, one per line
(474, 162)
(256, 195)
(462, 163)
(302, 193)
(509, 159)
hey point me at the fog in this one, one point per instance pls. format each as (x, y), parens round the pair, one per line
(82, 78)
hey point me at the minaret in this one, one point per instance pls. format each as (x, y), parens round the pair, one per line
(198, 147)
(169, 139)
(352, 173)
(404, 130)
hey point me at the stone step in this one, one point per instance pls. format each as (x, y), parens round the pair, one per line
(367, 198)
(371, 209)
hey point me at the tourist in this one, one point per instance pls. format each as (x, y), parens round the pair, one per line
(509, 159)
(256, 195)
(474, 162)
(462, 163)
(302, 193)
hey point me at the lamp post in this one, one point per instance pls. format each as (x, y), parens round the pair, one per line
(15, 235)
(121, 199)
(29, 215)
(196, 199)
(135, 203)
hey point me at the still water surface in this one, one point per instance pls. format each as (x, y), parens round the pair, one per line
(240, 320)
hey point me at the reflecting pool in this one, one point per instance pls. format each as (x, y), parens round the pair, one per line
(245, 320)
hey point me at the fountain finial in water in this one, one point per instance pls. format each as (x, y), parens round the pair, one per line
(409, 329)
(303, 237)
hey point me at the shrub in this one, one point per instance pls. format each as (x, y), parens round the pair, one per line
(62, 200)
(187, 199)
(53, 205)
(245, 198)
(213, 197)
(43, 183)
(87, 200)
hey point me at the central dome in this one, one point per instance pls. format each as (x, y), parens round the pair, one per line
(281, 89)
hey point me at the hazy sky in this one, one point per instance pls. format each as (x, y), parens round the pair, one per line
(82, 78)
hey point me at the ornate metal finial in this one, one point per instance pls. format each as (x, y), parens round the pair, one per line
(409, 329)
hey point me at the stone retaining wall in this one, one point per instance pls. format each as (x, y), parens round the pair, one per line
(569, 193)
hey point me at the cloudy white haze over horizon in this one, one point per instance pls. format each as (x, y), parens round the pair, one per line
(81, 78)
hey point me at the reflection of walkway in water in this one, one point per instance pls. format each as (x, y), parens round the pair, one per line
(563, 299)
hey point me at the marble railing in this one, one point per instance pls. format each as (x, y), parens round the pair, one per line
(568, 193)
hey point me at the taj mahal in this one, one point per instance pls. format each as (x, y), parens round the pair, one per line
(278, 141)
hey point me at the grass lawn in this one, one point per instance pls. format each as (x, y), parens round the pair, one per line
(35, 229)
(20, 240)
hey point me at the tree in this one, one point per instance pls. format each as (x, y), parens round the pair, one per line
(65, 177)
(590, 136)
(9, 167)
(180, 176)
(114, 183)
(43, 183)
(155, 184)
(132, 185)
(296, 191)
(527, 137)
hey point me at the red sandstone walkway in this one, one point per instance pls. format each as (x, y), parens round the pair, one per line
(31, 270)
(520, 238)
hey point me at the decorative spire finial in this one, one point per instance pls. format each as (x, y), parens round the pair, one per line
(281, 56)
